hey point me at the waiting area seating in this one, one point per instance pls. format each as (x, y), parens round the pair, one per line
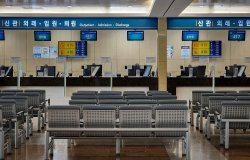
(118, 118)
(225, 109)
(18, 107)
(101, 121)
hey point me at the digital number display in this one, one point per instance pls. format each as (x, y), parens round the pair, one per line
(190, 35)
(206, 48)
(135, 35)
(73, 49)
(42, 35)
(236, 35)
(88, 35)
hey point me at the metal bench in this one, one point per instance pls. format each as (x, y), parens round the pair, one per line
(201, 111)
(142, 102)
(234, 115)
(82, 97)
(136, 97)
(163, 97)
(87, 92)
(99, 117)
(22, 111)
(101, 122)
(82, 103)
(214, 108)
(5, 138)
(195, 104)
(151, 93)
(104, 96)
(10, 118)
(12, 91)
(66, 117)
(35, 108)
(173, 116)
(119, 93)
(135, 117)
(126, 93)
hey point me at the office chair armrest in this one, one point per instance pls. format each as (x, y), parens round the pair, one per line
(20, 113)
(30, 108)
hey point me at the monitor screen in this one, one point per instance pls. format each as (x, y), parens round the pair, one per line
(2, 37)
(135, 35)
(236, 35)
(206, 49)
(88, 35)
(190, 35)
(72, 49)
(42, 35)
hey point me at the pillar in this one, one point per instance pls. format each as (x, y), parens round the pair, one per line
(161, 54)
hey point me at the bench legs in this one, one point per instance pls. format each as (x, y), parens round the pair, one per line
(2, 144)
(191, 114)
(118, 146)
(185, 146)
(39, 120)
(27, 126)
(16, 134)
(208, 128)
(222, 136)
(227, 136)
(197, 121)
(46, 145)
(201, 121)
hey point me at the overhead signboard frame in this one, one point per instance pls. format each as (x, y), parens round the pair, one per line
(76, 23)
(208, 23)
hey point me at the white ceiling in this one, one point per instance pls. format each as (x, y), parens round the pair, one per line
(125, 8)
(218, 8)
(93, 8)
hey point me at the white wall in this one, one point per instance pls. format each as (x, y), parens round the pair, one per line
(114, 44)
(233, 52)
(110, 43)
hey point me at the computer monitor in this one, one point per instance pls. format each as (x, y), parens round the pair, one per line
(235, 70)
(241, 72)
(229, 71)
(147, 70)
(46, 71)
(200, 71)
(6, 71)
(185, 72)
(86, 70)
(133, 68)
(92, 70)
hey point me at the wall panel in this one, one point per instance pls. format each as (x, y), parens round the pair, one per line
(110, 43)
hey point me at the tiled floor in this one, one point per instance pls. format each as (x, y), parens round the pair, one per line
(144, 149)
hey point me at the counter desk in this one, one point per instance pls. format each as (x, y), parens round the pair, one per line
(174, 82)
(150, 82)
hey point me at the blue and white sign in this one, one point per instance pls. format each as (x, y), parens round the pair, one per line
(208, 23)
(77, 23)
(185, 52)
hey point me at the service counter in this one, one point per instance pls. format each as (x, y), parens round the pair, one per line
(150, 82)
(174, 82)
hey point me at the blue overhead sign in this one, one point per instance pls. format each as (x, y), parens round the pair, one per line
(208, 23)
(77, 23)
